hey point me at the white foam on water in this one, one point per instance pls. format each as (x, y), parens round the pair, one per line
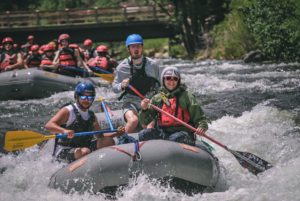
(265, 131)
(260, 131)
(213, 79)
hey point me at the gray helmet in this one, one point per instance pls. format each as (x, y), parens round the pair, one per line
(170, 71)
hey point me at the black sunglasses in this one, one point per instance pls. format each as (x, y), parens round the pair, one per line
(169, 78)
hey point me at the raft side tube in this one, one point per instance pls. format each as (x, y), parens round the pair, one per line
(108, 166)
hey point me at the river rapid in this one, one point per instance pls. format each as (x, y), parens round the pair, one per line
(252, 107)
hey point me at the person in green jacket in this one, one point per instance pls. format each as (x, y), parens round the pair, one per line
(177, 101)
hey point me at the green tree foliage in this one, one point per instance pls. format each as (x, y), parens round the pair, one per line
(13, 5)
(274, 25)
(232, 38)
(191, 19)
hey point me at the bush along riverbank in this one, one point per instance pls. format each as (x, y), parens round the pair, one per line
(257, 30)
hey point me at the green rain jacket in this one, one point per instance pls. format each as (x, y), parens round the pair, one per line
(186, 101)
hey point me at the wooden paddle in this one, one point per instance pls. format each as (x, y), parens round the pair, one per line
(21, 139)
(249, 161)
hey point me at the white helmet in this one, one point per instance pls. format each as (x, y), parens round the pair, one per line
(170, 71)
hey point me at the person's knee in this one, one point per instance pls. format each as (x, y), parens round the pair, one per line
(85, 151)
(131, 117)
(80, 152)
(132, 122)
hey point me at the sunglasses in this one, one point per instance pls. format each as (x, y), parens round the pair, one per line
(89, 98)
(169, 78)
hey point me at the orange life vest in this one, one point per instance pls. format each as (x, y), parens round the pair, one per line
(46, 60)
(67, 57)
(101, 62)
(8, 59)
(174, 109)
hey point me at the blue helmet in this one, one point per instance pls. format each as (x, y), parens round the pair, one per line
(134, 39)
(84, 87)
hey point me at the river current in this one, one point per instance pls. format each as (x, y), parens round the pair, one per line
(252, 107)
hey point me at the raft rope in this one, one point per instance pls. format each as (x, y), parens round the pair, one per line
(136, 155)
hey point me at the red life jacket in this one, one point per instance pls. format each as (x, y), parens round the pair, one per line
(46, 60)
(101, 62)
(8, 59)
(67, 57)
(174, 109)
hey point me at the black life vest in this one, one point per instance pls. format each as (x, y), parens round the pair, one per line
(34, 60)
(79, 125)
(140, 80)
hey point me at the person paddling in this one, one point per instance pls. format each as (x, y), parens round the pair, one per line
(76, 118)
(174, 99)
(10, 59)
(88, 49)
(25, 48)
(33, 58)
(103, 60)
(47, 58)
(138, 71)
(67, 57)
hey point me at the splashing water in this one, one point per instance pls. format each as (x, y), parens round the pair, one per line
(252, 108)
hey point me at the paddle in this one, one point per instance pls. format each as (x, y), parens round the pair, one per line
(104, 107)
(249, 161)
(96, 68)
(125, 137)
(108, 76)
(17, 140)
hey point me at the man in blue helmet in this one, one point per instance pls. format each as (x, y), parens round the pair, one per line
(140, 72)
(75, 118)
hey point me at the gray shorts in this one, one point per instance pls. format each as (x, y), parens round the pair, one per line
(130, 106)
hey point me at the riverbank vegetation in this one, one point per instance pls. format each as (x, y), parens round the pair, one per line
(224, 29)
(271, 26)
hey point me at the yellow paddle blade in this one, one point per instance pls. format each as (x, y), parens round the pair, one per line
(17, 140)
(107, 77)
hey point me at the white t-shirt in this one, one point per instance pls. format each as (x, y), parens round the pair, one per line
(72, 117)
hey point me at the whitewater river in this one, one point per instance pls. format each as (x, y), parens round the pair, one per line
(253, 108)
